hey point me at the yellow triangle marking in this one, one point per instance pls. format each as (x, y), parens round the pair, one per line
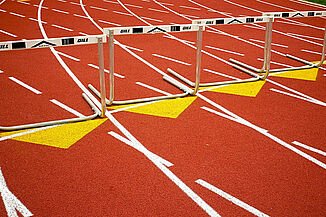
(250, 89)
(302, 74)
(171, 108)
(62, 136)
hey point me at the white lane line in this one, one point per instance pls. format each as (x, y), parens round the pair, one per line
(254, 27)
(2, 10)
(191, 16)
(169, 37)
(83, 33)
(134, 6)
(310, 51)
(153, 88)
(60, 11)
(152, 9)
(166, 4)
(68, 56)
(25, 132)
(133, 48)
(62, 1)
(98, 8)
(122, 139)
(147, 18)
(26, 3)
(306, 36)
(276, 63)
(107, 22)
(259, 41)
(74, 3)
(309, 148)
(33, 19)
(7, 33)
(25, 85)
(77, 15)
(118, 12)
(61, 27)
(221, 74)
(110, 2)
(41, 6)
(181, 6)
(226, 51)
(67, 108)
(11, 202)
(105, 70)
(231, 198)
(18, 15)
(171, 59)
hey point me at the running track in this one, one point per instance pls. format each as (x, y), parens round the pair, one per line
(225, 154)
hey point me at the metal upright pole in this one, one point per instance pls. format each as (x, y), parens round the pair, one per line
(323, 51)
(268, 47)
(198, 58)
(102, 76)
(111, 67)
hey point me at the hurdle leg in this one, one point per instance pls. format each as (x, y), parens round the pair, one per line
(102, 75)
(111, 67)
(268, 48)
(198, 58)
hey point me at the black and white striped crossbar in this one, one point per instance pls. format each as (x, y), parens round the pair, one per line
(234, 20)
(296, 14)
(152, 29)
(52, 42)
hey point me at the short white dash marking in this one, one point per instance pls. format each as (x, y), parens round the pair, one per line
(62, 1)
(152, 9)
(309, 148)
(41, 6)
(98, 8)
(221, 74)
(61, 27)
(26, 3)
(147, 18)
(231, 198)
(133, 48)
(83, 33)
(167, 4)
(2, 10)
(110, 2)
(133, 6)
(1, 71)
(77, 15)
(227, 51)
(279, 45)
(107, 22)
(190, 42)
(7, 33)
(105, 70)
(60, 11)
(254, 27)
(305, 36)
(118, 12)
(190, 16)
(33, 19)
(25, 85)
(181, 6)
(15, 14)
(54, 101)
(74, 3)
(68, 56)
(171, 59)
(276, 63)
(153, 88)
(310, 51)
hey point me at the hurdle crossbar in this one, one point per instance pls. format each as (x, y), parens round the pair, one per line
(229, 21)
(58, 42)
(111, 32)
(308, 64)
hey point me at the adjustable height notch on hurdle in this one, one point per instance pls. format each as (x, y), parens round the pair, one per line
(102, 75)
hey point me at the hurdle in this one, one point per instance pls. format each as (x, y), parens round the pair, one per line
(117, 31)
(308, 64)
(229, 21)
(58, 42)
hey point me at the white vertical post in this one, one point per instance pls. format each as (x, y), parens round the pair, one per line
(198, 58)
(323, 51)
(102, 76)
(111, 67)
(268, 47)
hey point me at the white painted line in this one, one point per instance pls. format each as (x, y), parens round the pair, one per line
(61, 27)
(77, 15)
(128, 142)
(309, 51)
(25, 132)
(102, 9)
(11, 202)
(1, 71)
(74, 3)
(191, 16)
(110, 2)
(259, 41)
(166, 4)
(37, 20)
(56, 10)
(181, 6)
(305, 36)
(54, 101)
(7, 33)
(68, 56)
(275, 5)
(231, 198)
(152, 9)
(290, 23)
(134, 6)
(226, 51)
(147, 18)
(130, 107)
(118, 12)
(26, 3)
(62, 1)
(41, 6)
(276, 63)
(83, 33)
(107, 22)
(293, 95)
(174, 60)
(15, 14)
(133, 48)
(221, 74)
(2, 10)
(254, 27)
(153, 88)
(105, 70)
(25, 85)
(309, 148)
(169, 37)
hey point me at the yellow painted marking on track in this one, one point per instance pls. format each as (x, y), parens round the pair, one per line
(62, 136)
(303, 74)
(171, 108)
(250, 89)
(318, 62)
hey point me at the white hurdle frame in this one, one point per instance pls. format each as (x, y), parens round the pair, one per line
(111, 32)
(308, 64)
(58, 42)
(238, 20)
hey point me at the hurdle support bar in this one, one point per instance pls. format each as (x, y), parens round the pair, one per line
(58, 122)
(111, 32)
(308, 64)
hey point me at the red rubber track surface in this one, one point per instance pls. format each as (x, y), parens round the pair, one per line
(102, 176)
